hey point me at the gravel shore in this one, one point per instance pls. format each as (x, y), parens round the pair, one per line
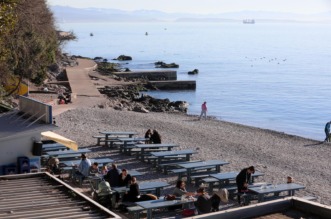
(276, 154)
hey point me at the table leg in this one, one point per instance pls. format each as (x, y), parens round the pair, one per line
(106, 140)
(142, 151)
(260, 197)
(149, 213)
(187, 157)
(189, 176)
(218, 168)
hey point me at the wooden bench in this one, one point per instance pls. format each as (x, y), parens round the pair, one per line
(135, 210)
(196, 174)
(100, 138)
(153, 160)
(173, 164)
(210, 181)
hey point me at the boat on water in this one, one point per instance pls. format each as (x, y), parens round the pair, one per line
(91, 34)
(249, 21)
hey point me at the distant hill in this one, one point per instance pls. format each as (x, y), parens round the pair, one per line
(69, 14)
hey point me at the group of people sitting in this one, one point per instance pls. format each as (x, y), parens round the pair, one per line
(204, 202)
(153, 137)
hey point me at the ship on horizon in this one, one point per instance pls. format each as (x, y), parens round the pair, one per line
(249, 21)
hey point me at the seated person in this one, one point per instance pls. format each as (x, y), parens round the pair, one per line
(133, 194)
(203, 203)
(156, 137)
(104, 170)
(124, 178)
(84, 166)
(148, 135)
(53, 165)
(94, 169)
(113, 176)
(180, 189)
(290, 179)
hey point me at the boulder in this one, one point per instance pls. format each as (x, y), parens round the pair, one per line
(161, 64)
(124, 58)
(194, 72)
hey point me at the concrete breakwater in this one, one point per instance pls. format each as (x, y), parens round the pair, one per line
(160, 79)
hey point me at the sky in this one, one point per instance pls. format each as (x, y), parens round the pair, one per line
(204, 6)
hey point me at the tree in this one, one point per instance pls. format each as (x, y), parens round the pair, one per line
(29, 41)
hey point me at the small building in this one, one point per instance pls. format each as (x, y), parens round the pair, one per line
(20, 134)
(41, 195)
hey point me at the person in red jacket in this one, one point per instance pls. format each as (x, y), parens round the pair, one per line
(203, 110)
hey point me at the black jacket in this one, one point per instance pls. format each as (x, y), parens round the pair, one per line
(242, 178)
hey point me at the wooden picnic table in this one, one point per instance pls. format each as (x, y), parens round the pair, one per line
(161, 155)
(224, 178)
(276, 190)
(97, 178)
(77, 162)
(208, 164)
(156, 186)
(53, 147)
(111, 135)
(161, 203)
(56, 153)
(144, 147)
(126, 141)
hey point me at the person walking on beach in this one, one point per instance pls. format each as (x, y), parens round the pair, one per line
(327, 131)
(203, 110)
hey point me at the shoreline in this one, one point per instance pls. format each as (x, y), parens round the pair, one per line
(274, 153)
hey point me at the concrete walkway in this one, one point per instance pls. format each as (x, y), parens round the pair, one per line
(84, 92)
(79, 80)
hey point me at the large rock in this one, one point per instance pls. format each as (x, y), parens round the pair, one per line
(161, 64)
(124, 58)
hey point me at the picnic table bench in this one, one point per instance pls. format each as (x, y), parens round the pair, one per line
(145, 186)
(173, 163)
(57, 153)
(224, 178)
(162, 155)
(129, 141)
(145, 147)
(161, 203)
(263, 191)
(203, 165)
(53, 147)
(109, 135)
(101, 161)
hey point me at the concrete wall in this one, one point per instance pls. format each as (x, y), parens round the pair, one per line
(18, 146)
(174, 85)
(150, 75)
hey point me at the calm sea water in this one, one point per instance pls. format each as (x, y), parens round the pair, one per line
(268, 75)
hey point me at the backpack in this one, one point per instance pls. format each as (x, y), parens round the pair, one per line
(104, 187)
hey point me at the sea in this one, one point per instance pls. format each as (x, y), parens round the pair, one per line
(270, 75)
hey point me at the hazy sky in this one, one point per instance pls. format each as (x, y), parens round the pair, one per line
(204, 6)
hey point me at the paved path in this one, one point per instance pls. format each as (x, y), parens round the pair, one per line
(79, 80)
(84, 92)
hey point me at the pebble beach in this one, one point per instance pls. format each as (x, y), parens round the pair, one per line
(276, 154)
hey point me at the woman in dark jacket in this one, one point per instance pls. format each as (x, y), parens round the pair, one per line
(134, 193)
(156, 137)
(124, 178)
